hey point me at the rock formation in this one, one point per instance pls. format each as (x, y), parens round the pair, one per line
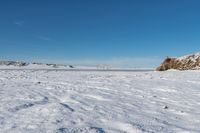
(13, 63)
(24, 64)
(189, 62)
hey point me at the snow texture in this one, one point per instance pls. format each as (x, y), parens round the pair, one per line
(53, 101)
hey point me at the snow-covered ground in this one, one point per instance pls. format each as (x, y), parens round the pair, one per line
(46, 101)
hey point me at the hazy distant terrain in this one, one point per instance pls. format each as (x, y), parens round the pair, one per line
(99, 102)
(34, 65)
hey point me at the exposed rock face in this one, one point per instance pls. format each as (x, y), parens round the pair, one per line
(189, 62)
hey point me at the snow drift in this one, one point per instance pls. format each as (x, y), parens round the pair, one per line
(44, 101)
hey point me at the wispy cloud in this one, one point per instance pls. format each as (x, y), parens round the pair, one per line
(19, 22)
(44, 38)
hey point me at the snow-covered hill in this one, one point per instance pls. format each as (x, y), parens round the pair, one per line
(188, 62)
(25, 65)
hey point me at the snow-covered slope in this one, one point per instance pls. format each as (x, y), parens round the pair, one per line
(46, 101)
(188, 62)
(193, 57)
(25, 65)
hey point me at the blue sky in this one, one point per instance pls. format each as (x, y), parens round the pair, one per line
(128, 33)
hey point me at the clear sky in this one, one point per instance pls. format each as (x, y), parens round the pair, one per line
(128, 33)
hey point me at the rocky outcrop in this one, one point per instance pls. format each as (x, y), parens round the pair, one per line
(13, 63)
(34, 64)
(189, 62)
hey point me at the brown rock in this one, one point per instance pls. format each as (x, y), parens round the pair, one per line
(190, 62)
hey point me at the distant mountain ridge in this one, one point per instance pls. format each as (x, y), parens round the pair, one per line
(13, 63)
(188, 62)
(32, 65)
